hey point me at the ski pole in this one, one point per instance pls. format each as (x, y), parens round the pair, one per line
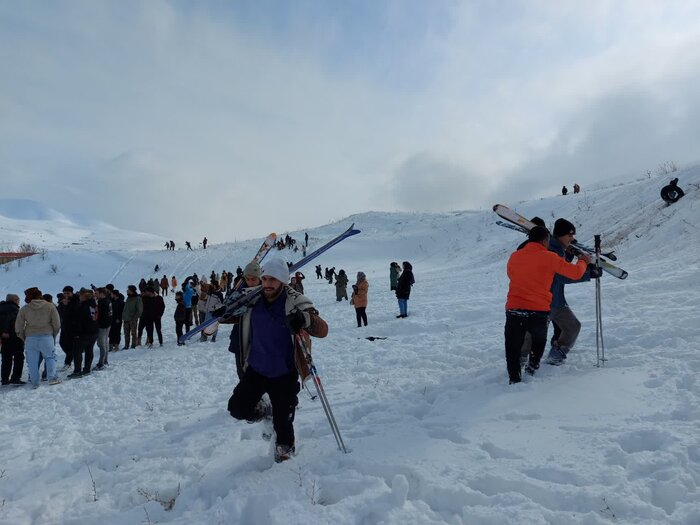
(322, 396)
(599, 343)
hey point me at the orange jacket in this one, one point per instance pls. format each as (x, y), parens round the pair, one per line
(531, 271)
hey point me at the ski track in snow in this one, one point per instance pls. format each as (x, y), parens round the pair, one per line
(436, 433)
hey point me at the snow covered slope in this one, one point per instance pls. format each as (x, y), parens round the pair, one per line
(437, 435)
(27, 221)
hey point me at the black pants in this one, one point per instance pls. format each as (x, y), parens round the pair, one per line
(517, 324)
(150, 324)
(115, 333)
(84, 345)
(12, 359)
(66, 342)
(234, 346)
(361, 315)
(178, 329)
(283, 396)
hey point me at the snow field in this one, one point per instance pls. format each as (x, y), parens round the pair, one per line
(436, 433)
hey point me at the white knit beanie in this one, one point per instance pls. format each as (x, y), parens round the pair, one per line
(276, 268)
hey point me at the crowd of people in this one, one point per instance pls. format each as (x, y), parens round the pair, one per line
(93, 322)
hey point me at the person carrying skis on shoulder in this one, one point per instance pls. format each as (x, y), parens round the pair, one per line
(268, 354)
(566, 325)
(251, 278)
(531, 271)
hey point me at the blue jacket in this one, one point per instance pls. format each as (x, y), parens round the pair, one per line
(187, 294)
(558, 299)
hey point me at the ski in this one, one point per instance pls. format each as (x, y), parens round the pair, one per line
(582, 247)
(518, 220)
(265, 248)
(211, 327)
(237, 301)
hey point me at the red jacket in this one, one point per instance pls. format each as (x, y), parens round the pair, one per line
(531, 271)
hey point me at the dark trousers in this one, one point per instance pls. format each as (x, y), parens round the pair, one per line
(283, 396)
(178, 329)
(234, 347)
(518, 323)
(150, 324)
(66, 342)
(12, 359)
(115, 333)
(84, 345)
(361, 315)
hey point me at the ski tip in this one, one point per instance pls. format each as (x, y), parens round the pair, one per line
(496, 206)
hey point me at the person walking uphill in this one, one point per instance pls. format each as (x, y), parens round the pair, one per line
(38, 324)
(12, 347)
(403, 289)
(566, 325)
(531, 271)
(268, 357)
(359, 298)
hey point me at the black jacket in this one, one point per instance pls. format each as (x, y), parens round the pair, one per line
(87, 320)
(403, 287)
(104, 313)
(70, 322)
(117, 309)
(8, 316)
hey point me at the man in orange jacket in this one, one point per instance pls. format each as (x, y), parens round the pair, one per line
(531, 271)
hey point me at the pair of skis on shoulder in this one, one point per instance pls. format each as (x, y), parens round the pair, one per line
(519, 223)
(236, 303)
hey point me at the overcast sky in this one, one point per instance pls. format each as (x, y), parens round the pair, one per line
(232, 119)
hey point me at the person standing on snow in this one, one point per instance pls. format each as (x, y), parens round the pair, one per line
(133, 308)
(38, 324)
(104, 323)
(531, 271)
(394, 272)
(268, 354)
(12, 346)
(87, 334)
(403, 289)
(341, 286)
(115, 331)
(359, 298)
(214, 301)
(567, 326)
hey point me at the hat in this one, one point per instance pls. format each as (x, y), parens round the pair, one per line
(277, 269)
(538, 221)
(563, 227)
(68, 288)
(131, 287)
(360, 276)
(32, 293)
(252, 269)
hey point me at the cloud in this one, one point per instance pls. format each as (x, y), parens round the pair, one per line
(426, 183)
(236, 119)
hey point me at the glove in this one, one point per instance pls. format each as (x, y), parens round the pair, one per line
(219, 311)
(297, 320)
(594, 272)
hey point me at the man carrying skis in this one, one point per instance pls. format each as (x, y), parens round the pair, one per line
(566, 325)
(268, 354)
(531, 271)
